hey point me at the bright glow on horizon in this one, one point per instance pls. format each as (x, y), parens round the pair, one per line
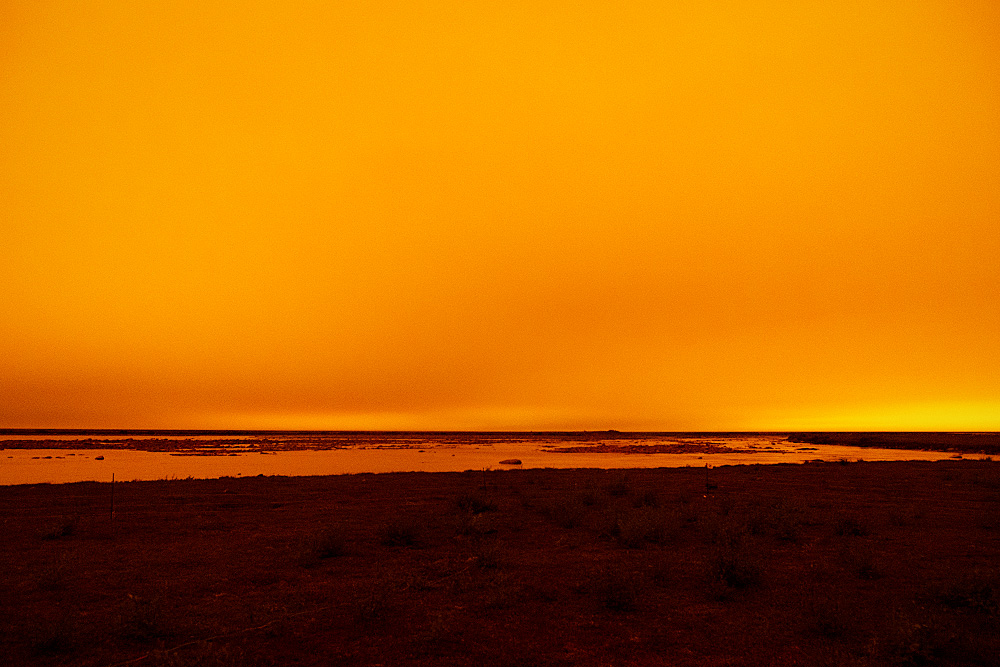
(500, 215)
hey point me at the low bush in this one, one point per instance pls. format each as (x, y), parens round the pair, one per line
(400, 533)
(53, 576)
(141, 619)
(637, 527)
(204, 654)
(330, 544)
(647, 499)
(630, 530)
(663, 570)
(503, 592)
(860, 560)
(851, 526)
(477, 525)
(618, 591)
(62, 527)
(828, 615)
(566, 512)
(476, 502)
(619, 486)
(775, 519)
(490, 555)
(737, 568)
(53, 637)
(735, 563)
(976, 591)
(375, 607)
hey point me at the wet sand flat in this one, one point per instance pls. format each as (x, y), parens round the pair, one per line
(83, 457)
(824, 563)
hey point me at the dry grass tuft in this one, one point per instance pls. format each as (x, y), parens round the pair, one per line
(141, 619)
(62, 527)
(400, 533)
(476, 502)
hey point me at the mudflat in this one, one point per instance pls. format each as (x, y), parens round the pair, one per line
(816, 564)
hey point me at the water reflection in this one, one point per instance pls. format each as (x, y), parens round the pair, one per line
(30, 466)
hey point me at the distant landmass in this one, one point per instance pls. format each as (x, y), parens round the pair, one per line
(962, 443)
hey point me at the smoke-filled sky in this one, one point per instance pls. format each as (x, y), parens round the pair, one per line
(672, 215)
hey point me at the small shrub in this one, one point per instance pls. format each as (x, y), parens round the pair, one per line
(54, 637)
(663, 571)
(608, 526)
(503, 592)
(829, 617)
(861, 561)
(142, 619)
(735, 564)
(63, 527)
(631, 531)
(921, 637)
(851, 526)
(53, 644)
(477, 502)
(901, 519)
(490, 555)
(566, 512)
(53, 577)
(618, 591)
(477, 525)
(399, 533)
(647, 499)
(634, 528)
(976, 591)
(656, 530)
(203, 654)
(912, 643)
(619, 486)
(436, 635)
(737, 569)
(775, 519)
(375, 609)
(330, 544)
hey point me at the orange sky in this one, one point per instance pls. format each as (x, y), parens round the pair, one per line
(500, 215)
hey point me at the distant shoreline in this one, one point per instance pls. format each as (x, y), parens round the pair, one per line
(227, 440)
(604, 435)
(961, 443)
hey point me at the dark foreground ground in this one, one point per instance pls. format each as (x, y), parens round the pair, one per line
(817, 564)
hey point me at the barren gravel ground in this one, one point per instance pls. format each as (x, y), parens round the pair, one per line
(838, 564)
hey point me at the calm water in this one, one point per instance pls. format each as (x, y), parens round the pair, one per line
(202, 456)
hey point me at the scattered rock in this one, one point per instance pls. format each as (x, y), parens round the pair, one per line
(511, 462)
